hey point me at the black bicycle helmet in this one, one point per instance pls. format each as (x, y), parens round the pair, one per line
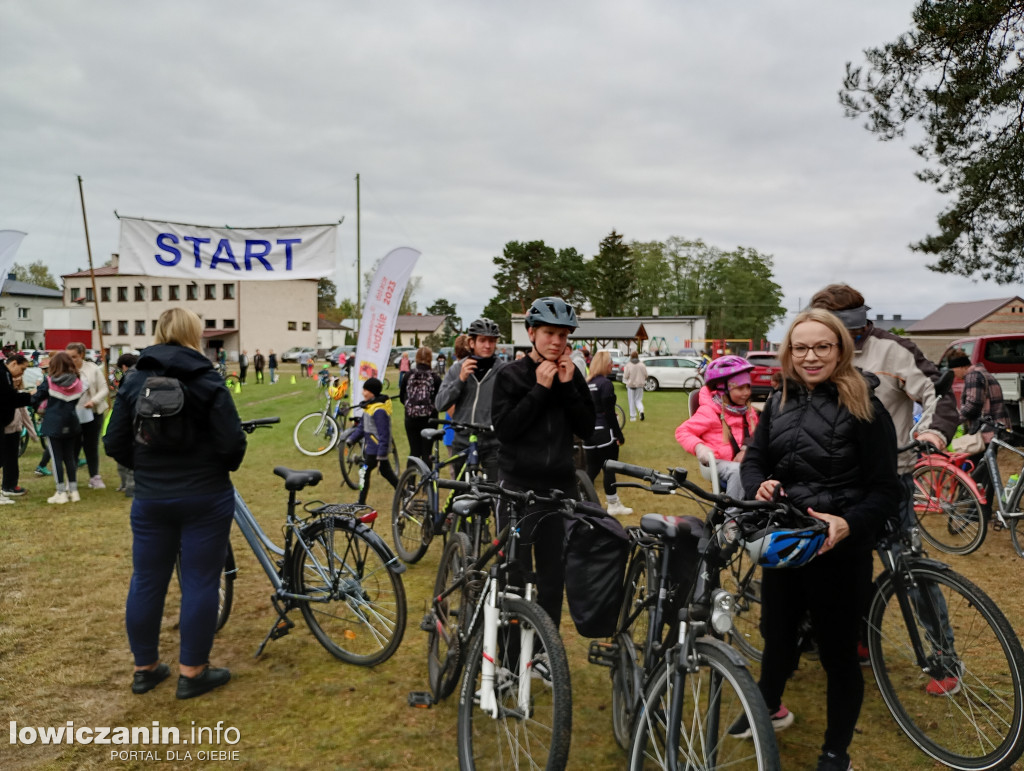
(552, 312)
(484, 326)
(783, 540)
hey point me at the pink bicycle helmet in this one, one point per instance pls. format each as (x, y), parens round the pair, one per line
(724, 370)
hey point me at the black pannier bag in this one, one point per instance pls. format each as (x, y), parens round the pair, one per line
(596, 552)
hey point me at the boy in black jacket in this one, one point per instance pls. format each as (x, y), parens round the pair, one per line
(539, 403)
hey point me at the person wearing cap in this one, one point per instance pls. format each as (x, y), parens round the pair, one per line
(375, 429)
(540, 402)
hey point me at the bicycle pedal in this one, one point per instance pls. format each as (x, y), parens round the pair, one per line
(281, 628)
(421, 699)
(604, 654)
(429, 622)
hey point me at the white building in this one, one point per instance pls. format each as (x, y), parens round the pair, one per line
(21, 312)
(237, 315)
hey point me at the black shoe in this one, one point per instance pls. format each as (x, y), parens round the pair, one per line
(148, 679)
(641, 417)
(834, 761)
(14, 490)
(207, 680)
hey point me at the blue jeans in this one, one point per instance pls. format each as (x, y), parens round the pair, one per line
(198, 527)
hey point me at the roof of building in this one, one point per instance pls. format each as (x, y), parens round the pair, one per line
(609, 329)
(106, 270)
(322, 323)
(410, 323)
(14, 287)
(955, 317)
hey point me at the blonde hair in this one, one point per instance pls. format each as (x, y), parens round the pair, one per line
(601, 364)
(852, 387)
(179, 326)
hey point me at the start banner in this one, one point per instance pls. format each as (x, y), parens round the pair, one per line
(155, 248)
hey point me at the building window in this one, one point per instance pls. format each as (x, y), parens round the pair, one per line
(192, 292)
(22, 313)
(75, 294)
(211, 291)
(174, 293)
(89, 296)
(305, 326)
(229, 323)
(157, 293)
(292, 326)
(122, 327)
(105, 294)
(211, 323)
(140, 327)
(105, 326)
(152, 327)
(140, 294)
(229, 291)
(122, 294)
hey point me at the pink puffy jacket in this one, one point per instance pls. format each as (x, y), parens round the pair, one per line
(705, 427)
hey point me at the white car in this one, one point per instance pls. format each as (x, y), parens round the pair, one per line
(292, 354)
(672, 372)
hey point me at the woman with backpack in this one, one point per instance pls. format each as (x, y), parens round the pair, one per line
(417, 392)
(184, 500)
(60, 392)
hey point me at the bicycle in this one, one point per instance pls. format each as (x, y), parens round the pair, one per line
(230, 378)
(417, 512)
(353, 455)
(333, 567)
(318, 432)
(515, 705)
(682, 688)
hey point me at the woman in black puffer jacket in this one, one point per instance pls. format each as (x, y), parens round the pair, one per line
(827, 444)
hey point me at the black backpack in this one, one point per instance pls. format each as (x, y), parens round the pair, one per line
(596, 552)
(161, 415)
(418, 399)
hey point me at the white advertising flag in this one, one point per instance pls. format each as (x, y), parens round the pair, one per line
(154, 248)
(10, 240)
(379, 315)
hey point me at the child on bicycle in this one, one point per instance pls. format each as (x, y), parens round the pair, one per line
(724, 422)
(374, 429)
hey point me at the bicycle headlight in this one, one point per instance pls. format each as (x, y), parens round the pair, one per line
(723, 607)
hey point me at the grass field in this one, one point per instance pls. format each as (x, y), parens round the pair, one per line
(64, 656)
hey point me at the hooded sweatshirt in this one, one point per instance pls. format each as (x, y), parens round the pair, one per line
(61, 395)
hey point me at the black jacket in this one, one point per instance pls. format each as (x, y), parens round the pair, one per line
(219, 442)
(606, 428)
(826, 458)
(535, 425)
(10, 398)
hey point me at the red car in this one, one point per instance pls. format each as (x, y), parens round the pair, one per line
(765, 364)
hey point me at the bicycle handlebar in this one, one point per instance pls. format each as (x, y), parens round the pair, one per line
(251, 425)
(480, 429)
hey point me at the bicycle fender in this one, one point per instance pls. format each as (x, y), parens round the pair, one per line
(394, 564)
(422, 467)
(731, 653)
(927, 562)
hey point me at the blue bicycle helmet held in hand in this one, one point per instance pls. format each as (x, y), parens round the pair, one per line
(783, 540)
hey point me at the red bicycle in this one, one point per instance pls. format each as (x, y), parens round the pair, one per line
(948, 503)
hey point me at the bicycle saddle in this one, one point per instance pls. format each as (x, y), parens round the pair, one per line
(296, 480)
(466, 505)
(430, 434)
(671, 527)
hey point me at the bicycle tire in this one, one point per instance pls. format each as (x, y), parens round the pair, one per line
(745, 634)
(948, 511)
(412, 516)
(539, 739)
(351, 462)
(1015, 539)
(394, 456)
(631, 643)
(357, 606)
(620, 416)
(444, 644)
(724, 691)
(978, 726)
(585, 490)
(315, 434)
(694, 383)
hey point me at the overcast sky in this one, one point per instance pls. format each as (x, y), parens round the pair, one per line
(471, 124)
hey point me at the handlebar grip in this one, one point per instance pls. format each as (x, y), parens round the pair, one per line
(454, 484)
(628, 469)
(263, 421)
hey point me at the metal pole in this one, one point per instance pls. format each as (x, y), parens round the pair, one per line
(95, 294)
(359, 268)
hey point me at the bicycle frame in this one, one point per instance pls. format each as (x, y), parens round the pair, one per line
(1004, 509)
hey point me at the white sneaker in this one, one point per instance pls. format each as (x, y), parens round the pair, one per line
(58, 498)
(4, 499)
(618, 510)
(74, 497)
(96, 483)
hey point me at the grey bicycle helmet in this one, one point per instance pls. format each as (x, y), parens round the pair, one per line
(484, 326)
(552, 312)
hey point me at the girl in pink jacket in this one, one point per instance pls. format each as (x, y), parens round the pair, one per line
(724, 421)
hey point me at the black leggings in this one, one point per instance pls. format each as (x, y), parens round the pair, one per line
(89, 440)
(418, 446)
(596, 457)
(65, 458)
(385, 471)
(9, 453)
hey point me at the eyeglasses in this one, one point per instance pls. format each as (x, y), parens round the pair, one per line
(821, 350)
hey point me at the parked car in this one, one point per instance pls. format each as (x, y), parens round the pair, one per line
(619, 360)
(672, 372)
(765, 364)
(292, 354)
(335, 354)
(1003, 356)
(397, 351)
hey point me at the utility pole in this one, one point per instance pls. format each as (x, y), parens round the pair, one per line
(359, 264)
(95, 294)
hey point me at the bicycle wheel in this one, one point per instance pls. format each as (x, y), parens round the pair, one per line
(979, 724)
(412, 516)
(1015, 539)
(746, 593)
(585, 490)
(394, 456)
(631, 643)
(948, 510)
(315, 434)
(231, 382)
(356, 606)
(537, 737)
(718, 694)
(444, 649)
(620, 416)
(351, 462)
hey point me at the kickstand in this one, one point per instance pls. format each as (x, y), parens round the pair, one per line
(280, 627)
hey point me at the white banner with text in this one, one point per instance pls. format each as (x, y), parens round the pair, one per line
(155, 248)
